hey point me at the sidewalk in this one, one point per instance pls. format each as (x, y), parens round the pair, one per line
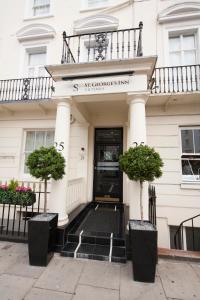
(70, 279)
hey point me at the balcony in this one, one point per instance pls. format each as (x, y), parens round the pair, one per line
(102, 46)
(26, 89)
(176, 79)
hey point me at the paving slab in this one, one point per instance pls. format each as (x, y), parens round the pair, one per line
(14, 287)
(7, 260)
(132, 290)
(17, 248)
(101, 274)
(22, 268)
(196, 268)
(179, 280)
(86, 292)
(62, 274)
(40, 294)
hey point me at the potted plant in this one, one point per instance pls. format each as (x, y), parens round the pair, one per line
(44, 164)
(141, 164)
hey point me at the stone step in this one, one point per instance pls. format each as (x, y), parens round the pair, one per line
(179, 254)
(95, 238)
(95, 251)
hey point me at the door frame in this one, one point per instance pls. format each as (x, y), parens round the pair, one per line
(94, 152)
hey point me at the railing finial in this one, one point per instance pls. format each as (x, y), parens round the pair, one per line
(64, 35)
(141, 25)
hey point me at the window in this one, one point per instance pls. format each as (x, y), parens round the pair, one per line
(36, 139)
(36, 60)
(187, 239)
(182, 49)
(95, 3)
(41, 7)
(190, 139)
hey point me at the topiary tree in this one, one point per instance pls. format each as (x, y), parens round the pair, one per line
(46, 163)
(141, 163)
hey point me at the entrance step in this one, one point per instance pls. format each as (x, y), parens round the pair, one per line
(98, 232)
(95, 251)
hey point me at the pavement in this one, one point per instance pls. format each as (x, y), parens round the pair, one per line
(80, 279)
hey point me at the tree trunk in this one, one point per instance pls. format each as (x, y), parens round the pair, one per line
(141, 203)
(45, 196)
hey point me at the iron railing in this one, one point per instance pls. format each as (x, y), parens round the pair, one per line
(180, 236)
(37, 88)
(152, 205)
(176, 79)
(100, 46)
(14, 218)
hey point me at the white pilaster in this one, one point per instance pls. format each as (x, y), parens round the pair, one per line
(137, 135)
(59, 189)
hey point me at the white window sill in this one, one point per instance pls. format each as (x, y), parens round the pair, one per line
(83, 10)
(192, 185)
(30, 18)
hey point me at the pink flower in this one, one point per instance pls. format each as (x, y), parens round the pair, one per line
(3, 187)
(23, 189)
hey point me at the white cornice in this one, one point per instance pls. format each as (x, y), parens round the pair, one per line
(35, 32)
(182, 11)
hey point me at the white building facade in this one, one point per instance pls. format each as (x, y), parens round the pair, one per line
(124, 72)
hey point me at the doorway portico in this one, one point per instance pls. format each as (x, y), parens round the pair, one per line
(110, 96)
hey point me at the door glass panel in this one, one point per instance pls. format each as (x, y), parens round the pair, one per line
(109, 135)
(108, 176)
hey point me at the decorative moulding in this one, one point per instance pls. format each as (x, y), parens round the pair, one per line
(96, 23)
(182, 11)
(35, 32)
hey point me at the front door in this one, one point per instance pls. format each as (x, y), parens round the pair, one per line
(107, 175)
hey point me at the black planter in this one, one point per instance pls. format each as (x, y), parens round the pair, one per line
(143, 240)
(41, 238)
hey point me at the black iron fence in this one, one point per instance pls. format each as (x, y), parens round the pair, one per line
(152, 205)
(14, 218)
(99, 46)
(37, 88)
(176, 79)
(187, 236)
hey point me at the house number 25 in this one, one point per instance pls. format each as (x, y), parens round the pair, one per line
(59, 146)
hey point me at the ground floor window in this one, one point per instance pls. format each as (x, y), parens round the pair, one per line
(190, 159)
(34, 139)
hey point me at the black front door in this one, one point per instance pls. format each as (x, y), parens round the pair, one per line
(107, 175)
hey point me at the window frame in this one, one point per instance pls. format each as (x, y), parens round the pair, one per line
(172, 30)
(181, 51)
(31, 49)
(189, 178)
(29, 11)
(39, 6)
(24, 174)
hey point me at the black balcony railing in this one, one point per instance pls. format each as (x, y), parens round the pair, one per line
(37, 88)
(100, 46)
(176, 79)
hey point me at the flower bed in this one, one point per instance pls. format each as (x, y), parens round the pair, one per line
(20, 195)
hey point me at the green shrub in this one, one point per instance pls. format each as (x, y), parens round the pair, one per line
(46, 163)
(141, 163)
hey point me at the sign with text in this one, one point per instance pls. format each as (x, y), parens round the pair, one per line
(114, 84)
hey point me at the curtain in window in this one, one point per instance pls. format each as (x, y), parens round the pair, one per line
(96, 3)
(41, 7)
